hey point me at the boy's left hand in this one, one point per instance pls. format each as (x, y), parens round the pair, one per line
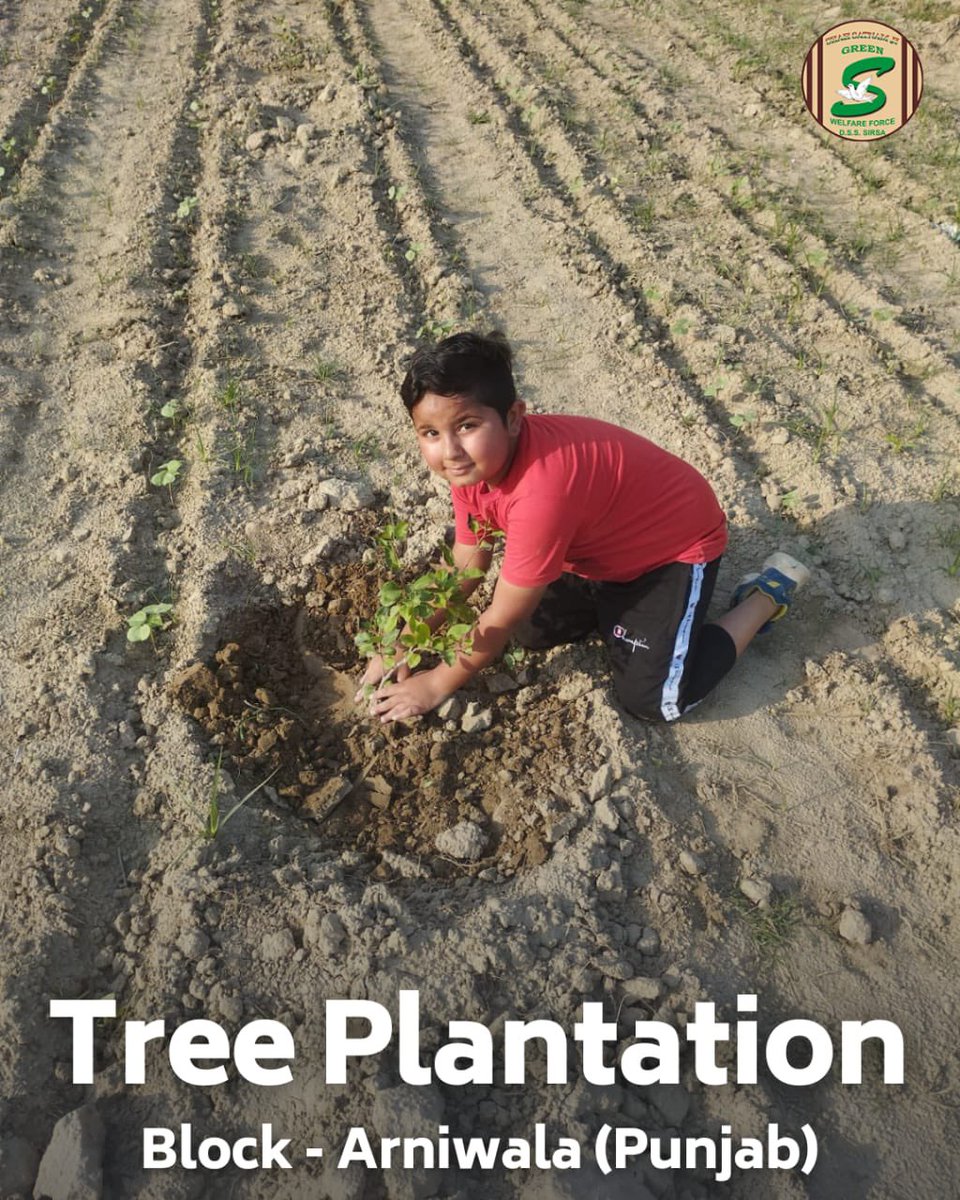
(410, 698)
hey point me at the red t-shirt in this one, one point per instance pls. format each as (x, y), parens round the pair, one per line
(585, 496)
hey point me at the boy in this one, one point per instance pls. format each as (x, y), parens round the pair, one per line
(604, 531)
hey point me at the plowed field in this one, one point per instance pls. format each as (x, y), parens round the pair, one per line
(224, 226)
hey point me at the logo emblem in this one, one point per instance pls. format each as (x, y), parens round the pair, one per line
(862, 80)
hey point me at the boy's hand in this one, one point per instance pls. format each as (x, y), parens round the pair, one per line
(410, 697)
(374, 673)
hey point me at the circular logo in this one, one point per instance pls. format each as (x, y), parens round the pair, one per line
(862, 80)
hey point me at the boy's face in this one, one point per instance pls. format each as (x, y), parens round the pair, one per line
(466, 442)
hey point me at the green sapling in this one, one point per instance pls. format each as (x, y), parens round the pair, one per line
(167, 475)
(143, 622)
(427, 616)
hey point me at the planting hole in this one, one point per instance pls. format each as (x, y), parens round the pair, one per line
(278, 696)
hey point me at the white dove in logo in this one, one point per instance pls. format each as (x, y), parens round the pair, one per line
(858, 92)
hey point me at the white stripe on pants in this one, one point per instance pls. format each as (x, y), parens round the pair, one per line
(670, 696)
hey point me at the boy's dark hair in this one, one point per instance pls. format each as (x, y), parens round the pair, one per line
(474, 365)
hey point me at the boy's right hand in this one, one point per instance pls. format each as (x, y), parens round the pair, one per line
(374, 673)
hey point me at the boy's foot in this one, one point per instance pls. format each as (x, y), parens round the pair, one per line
(779, 578)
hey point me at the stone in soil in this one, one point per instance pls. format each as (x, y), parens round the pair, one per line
(760, 891)
(854, 927)
(691, 863)
(641, 987)
(607, 814)
(278, 946)
(71, 1167)
(464, 842)
(476, 719)
(602, 781)
(649, 942)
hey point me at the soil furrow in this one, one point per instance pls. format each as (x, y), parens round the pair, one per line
(926, 160)
(804, 311)
(79, 745)
(905, 246)
(862, 291)
(41, 58)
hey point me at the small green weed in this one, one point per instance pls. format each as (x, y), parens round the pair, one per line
(167, 475)
(827, 432)
(770, 928)
(290, 53)
(230, 396)
(643, 214)
(742, 196)
(185, 208)
(433, 330)
(365, 449)
(214, 821)
(324, 370)
(240, 455)
(860, 241)
(478, 117)
(515, 658)
(907, 441)
(949, 539)
(716, 386)
(174, 411)
(241, 548)
(146, 620)
(389, 539)
(254, 266)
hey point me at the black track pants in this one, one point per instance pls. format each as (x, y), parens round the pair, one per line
(665, 658)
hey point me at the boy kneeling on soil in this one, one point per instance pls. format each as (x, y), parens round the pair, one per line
(604, 532)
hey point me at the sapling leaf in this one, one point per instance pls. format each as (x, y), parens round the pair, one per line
(167, 474)
(420, 631)
(144, 621)
(401, 630)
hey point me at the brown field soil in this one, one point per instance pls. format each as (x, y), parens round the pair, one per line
(224, 225)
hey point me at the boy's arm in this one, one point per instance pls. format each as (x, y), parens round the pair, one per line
(420, 693)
